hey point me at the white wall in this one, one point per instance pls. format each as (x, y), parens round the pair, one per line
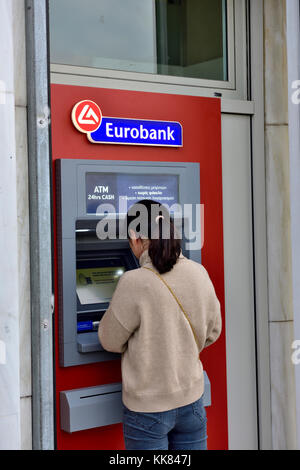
(15, 373)
(239, 287)
(19, 54)
(9, 286)
(293, 48)
(281, 314)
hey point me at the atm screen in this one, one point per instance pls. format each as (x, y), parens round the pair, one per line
(123, 190)
(96, 285)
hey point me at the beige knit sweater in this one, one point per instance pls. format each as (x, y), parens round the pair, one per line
(160, 362)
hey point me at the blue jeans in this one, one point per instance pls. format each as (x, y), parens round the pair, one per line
(182, 428)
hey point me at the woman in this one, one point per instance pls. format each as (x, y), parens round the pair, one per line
(160, 318)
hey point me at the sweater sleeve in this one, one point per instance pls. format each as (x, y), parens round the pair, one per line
(112, 334)
(214, 325)
(121, 318)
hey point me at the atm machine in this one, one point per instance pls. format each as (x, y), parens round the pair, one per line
(91, 194)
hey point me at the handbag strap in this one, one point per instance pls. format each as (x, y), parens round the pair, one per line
(178, 302)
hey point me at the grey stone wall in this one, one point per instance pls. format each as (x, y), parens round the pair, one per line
(279, 226)
(15, 336)
(19, 54)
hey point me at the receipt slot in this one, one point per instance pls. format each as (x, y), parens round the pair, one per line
(89, 267)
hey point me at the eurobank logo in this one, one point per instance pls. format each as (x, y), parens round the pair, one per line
(87, 118)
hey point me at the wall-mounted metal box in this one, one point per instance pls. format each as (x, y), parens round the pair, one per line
(92, 407)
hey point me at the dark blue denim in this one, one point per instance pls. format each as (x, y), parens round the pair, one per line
(182, 428)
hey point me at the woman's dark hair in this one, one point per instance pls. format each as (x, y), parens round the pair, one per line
(152, 220)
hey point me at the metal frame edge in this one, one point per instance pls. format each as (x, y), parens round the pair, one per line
(40, 223)
(260, 226)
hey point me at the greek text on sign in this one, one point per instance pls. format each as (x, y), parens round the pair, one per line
(87, 118)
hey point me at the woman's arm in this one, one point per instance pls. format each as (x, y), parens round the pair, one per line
(215, 327)
(112, 334)
(213, 312)
(121, 318)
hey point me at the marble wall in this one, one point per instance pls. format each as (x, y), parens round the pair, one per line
(19, 54)
(15, 373)
(279, 226)
(10, 436)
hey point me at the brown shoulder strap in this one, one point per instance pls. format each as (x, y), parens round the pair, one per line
(178, 302)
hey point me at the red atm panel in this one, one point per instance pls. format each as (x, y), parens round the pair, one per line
(201, 122)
